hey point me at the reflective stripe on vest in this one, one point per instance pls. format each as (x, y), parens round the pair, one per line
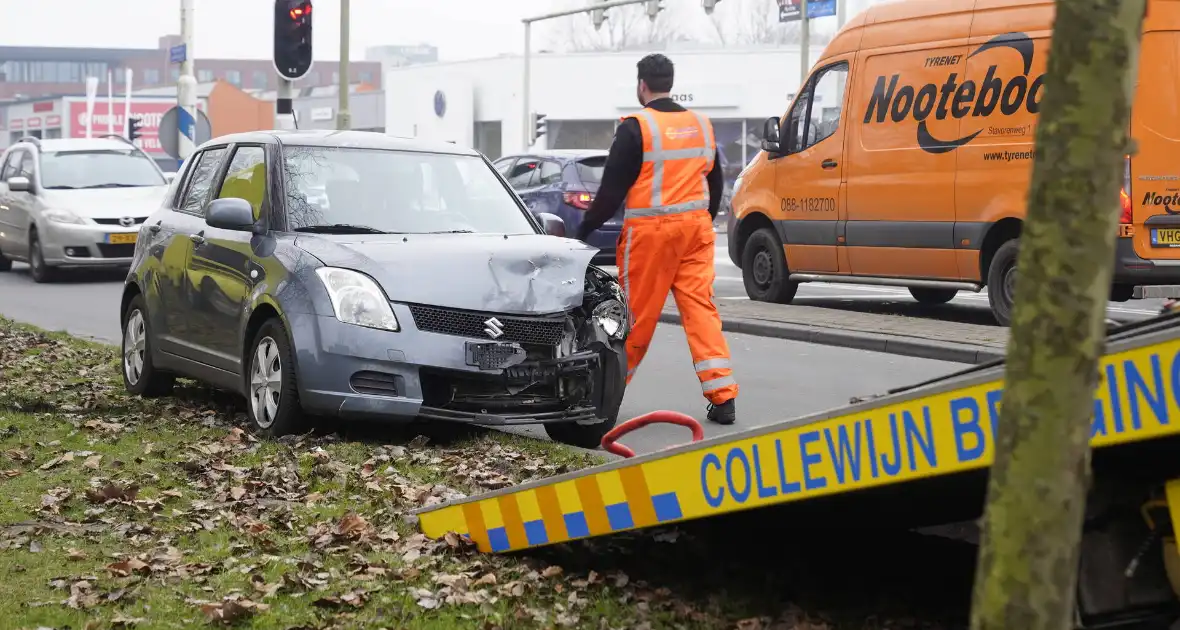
(639, 203)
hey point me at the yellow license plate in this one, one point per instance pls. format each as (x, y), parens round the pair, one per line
(122, 239)
(1166, 238)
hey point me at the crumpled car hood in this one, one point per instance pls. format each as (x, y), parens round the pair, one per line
(517, 274)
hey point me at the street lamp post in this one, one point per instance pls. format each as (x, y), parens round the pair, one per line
(343, 116)
(528, 22)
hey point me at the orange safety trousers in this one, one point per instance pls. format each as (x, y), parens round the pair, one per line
(674, 252)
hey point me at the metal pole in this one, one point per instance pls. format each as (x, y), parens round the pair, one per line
(526, 119)
(186, 87)
(343, 116)
(804, 45)
(841, 13)
(284, 105)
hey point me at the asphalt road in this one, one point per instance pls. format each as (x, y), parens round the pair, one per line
(779, 379)
(966, 307)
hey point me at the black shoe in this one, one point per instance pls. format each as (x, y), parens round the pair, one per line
(725, 413)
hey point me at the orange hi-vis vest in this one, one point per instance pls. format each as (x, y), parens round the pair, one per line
(678, 153)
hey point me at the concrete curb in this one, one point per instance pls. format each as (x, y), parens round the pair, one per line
(889, 344)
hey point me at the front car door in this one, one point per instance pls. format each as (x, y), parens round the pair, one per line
(8, 223)
(809, 173)
(222, 269)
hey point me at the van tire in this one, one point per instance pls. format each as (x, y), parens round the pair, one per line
(1001, 276)
(925, 295)
(764, 269)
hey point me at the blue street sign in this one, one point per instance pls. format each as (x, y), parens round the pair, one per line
(178, 54)
(792, 10)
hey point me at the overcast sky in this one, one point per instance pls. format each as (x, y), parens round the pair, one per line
(462, 29)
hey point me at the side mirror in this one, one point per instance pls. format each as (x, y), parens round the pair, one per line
(230, 214)
(553, 224)
(20, 184)
(771, 142)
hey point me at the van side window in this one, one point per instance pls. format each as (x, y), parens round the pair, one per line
(816, 114)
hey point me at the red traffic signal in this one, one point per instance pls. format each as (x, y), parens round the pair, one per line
(301, 12)
(292, 38)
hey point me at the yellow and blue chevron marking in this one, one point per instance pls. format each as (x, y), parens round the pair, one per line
(940, 432)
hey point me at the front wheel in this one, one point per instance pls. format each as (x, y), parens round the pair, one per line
(41, 272)
(1001, 281)
(614, 386)
(272, 395)
(764, 269)
(5, 263)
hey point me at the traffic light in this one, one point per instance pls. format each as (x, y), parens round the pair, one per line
(710, 5)
(292, 45)
(133, 130)
(539, 126)
(653, 9)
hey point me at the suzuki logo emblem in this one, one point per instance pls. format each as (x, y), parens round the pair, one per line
(493, 328)
(126, 222)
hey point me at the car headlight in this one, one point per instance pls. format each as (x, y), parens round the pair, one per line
(611, 315)
(58, 215)
(357, 299)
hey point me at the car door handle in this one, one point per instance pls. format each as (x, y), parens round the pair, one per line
(829, 163)
(199, 239)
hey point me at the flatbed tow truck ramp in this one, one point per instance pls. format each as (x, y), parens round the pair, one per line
(915, 457)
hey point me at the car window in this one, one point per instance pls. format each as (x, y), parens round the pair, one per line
(550, 173)
(27, 165)
(246, 178)
(504, 165)
(397, 191)
(827, 104)
(796, 125)
(522, 175)
(200, 181)
(10, 165)
(590, 169)
(101, 168)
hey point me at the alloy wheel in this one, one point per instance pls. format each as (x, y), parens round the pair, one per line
(134, 347)
(266, 382)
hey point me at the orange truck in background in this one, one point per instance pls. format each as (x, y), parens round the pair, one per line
(905, 160)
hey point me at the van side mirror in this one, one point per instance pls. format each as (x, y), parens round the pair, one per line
(20, 184)
(771, 143)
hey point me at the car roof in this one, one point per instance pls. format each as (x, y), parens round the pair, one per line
(79, 144)
(342, 139)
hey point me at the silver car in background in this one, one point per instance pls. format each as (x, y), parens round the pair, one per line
(74, 203)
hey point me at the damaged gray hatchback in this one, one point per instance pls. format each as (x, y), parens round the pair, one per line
(352, 274)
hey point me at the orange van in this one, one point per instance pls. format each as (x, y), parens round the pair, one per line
(905, 160)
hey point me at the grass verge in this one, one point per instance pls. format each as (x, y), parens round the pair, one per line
(120, 512)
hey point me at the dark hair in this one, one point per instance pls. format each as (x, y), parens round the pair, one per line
(656, 71)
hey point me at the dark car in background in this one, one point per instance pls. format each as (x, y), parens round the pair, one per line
(563, 183)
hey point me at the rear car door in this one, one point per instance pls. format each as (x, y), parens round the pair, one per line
(549, 188)
(221, 269)
(177, 300)
(523, 177)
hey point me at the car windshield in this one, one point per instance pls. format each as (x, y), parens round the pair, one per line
(106, 168)
(380, 191)
(590, 169)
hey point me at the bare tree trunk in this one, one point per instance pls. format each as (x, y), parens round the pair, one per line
(1028, 562)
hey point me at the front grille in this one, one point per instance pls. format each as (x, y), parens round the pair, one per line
(122, 250)
(117, 221)
(378, 383)
(546, 330)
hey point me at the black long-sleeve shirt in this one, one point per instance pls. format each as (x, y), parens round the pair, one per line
(623, 165)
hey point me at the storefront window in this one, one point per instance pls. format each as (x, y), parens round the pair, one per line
(580, 134)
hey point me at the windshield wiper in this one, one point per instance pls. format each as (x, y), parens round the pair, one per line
(61, 188)
(113, 186)
(452, 232)
(341, 228)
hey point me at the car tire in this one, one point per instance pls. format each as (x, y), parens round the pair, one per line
(140, 375)
(1001, 281)
(5, 263)
(40, 271)
(925, 295)
(764, 269)
(581, 435)
(1122, 293)
(270, 366)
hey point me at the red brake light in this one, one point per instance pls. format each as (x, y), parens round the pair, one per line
(1125, 199)
(579, 200)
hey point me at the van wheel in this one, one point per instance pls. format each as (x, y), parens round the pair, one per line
(1122, 292)
(1001, 281)
(764, 269)
(272, 395)
(926, 295)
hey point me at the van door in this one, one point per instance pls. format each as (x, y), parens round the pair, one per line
(901, 162)
(1155, 127)
(810, 173)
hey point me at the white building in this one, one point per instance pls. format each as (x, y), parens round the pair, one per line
(478, 103)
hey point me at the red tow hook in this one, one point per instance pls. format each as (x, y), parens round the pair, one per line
(609, 441)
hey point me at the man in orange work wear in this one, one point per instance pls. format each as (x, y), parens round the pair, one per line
(664, 166)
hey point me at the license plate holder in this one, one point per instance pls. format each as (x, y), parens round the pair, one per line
(1165, 237)
(122, 238)
(494, 355)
